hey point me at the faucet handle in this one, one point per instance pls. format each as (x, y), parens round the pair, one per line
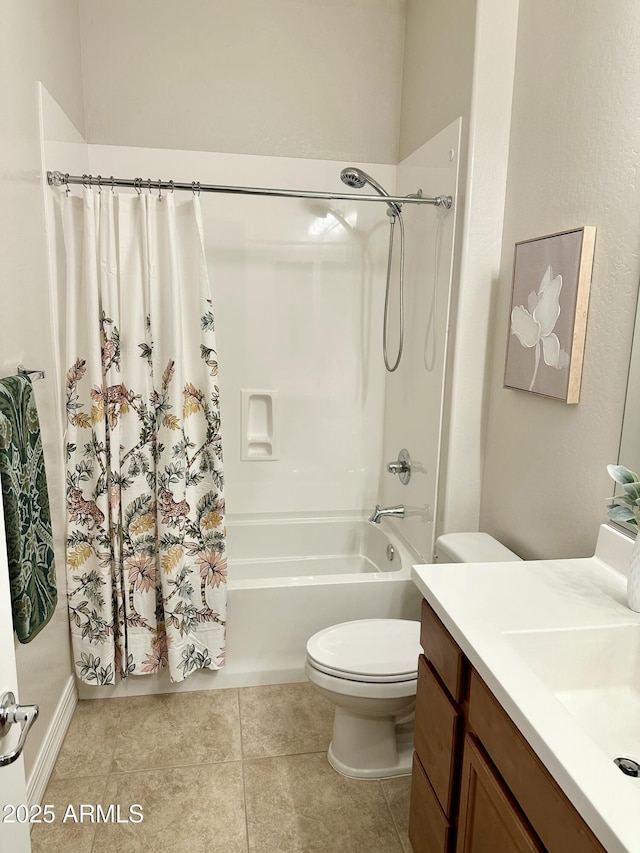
(397, 467)
(402, 467)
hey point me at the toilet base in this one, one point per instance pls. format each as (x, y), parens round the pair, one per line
(366, 748)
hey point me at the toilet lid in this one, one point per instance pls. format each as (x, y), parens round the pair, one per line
(368, 650)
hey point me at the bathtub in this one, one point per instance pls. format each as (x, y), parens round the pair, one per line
(287, 579)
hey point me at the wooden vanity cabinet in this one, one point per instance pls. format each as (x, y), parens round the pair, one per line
(477, 786)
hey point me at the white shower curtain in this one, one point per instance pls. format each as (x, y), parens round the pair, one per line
(146, 538)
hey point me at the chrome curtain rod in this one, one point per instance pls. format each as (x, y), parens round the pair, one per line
(62, 179)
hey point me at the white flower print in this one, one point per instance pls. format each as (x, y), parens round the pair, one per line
(534, 327)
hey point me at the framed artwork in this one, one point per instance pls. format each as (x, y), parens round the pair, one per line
(548, 317)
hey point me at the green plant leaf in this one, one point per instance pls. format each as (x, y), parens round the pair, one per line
(621, 513)
(626, 503)
(632, 490)
(621, 474)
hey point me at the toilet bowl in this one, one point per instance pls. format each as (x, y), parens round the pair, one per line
(368, 670)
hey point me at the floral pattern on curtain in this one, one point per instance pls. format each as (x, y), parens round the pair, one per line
(146, 537)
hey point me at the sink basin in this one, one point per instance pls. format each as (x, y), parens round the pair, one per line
(595, 674)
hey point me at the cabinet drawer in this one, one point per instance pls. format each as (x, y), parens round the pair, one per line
(443, 652)
(437, 734)
(554, 819)
(429, 829)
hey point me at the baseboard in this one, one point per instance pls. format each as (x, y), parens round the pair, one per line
(46, 758)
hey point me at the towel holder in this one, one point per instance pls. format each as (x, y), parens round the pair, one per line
(34, 374)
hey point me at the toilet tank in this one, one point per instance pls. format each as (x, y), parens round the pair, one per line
(471, 548)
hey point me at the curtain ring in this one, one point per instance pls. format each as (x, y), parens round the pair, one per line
(100, 184)
(68, 189)
(137, 183)
(113, 184)
(159, 189)
(195, 187)
(149, 185)
(171, 186)
(86, 181)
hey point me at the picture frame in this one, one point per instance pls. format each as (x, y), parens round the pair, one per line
(548, 314)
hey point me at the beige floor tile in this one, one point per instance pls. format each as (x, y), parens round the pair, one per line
(177, 729)
(199, 809)
(68, 832)
(299, 804)
(398, 792)
(284, 719)
(88, 746)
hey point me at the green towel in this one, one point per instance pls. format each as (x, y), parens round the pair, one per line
(32, 572)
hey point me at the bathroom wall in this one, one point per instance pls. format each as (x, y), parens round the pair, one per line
(298, 288)
(62, 144)
(573, 161)
(294, 78)
(455, 68)
(41, 43)
(437, 70)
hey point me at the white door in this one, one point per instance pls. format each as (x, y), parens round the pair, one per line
(14, 833)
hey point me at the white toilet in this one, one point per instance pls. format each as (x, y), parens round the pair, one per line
(368, 669)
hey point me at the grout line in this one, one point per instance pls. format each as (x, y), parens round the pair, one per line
(109, 771)
(95, 828)
(321, 752)
(242, 755)
(393, 819)
(162, 767)
(246, 811)
(244, 789)
(115, 740)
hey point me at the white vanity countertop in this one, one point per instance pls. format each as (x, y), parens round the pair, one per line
(479, 603)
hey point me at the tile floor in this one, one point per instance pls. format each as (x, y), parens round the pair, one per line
(222, 771)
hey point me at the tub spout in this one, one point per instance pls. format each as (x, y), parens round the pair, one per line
(393, 511)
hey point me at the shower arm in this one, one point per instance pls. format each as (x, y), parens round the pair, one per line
(62, 179)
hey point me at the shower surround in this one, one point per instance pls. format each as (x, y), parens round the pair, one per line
(297, 288)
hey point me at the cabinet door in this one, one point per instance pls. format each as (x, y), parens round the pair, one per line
(489, 821)
(555, 821)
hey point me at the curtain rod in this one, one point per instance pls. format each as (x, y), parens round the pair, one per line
(62, 179)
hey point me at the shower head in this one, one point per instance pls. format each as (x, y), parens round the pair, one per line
(353, 177)
(356, 178)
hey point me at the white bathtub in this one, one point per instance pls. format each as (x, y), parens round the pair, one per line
(288, 578)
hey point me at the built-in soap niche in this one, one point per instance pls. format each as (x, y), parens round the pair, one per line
(259, 424)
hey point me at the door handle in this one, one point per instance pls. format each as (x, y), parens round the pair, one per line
(11, 713)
